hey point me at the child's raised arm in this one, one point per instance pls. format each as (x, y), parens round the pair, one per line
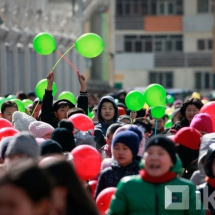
(82, 98)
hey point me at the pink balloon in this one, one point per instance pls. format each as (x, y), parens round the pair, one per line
(87, 161)
(82, 122)
(7, 132)
(5, 123)
(104, 198)
(209, 108)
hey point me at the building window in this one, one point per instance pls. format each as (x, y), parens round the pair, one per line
(153, 43)
(204, 44)
(205, 6)
(204, 81)
(163, 78)
(148, 7)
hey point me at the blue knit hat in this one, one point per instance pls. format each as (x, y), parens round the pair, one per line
(130, 139)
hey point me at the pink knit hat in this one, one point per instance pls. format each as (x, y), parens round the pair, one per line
(202, 122)
(40, 129)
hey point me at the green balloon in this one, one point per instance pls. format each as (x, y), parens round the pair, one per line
(134, 100)
(11, 97)
(42, 86)
(44, 43)
(168, 124)
(89, 45)
(90, 114)
(170, 99)
(155, 95)
(27, 102)
(67, 95)
(21, 106)
(158, 112)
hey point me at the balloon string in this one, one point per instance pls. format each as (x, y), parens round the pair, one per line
(68, 61)
(62, 57)
(35, 108)
(156, 125)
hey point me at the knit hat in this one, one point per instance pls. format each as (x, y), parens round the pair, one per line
(3, 146)
(40, 129)
(164, 142)
(130, 139)
(188, 137)
(23, 143)
(50, 147)
(21, 121)
(64, 136)
(202, 122)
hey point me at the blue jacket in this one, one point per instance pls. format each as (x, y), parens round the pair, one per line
(101, 125)
(111, 176)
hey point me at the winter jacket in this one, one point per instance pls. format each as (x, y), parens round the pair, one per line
(198, 176)
(111, 176)
(178, 125)
(135, 196)
(101, 125)
(47, 114)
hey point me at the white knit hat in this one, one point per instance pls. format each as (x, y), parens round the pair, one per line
(21, 121)
(40, 129)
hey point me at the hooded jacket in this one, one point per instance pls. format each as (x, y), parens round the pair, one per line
(198, 176)
(135, 196)
(102, 125)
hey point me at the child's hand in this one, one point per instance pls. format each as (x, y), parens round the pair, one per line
(82, 81)
(50, 79)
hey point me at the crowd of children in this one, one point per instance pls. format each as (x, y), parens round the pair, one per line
(140, 157)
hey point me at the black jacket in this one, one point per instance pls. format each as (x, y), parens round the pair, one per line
(47, 114)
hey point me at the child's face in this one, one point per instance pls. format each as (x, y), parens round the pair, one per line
(157, 161)
(107, 111)
(122, 154)
(8, 113)
(61, 113)
(109, 139)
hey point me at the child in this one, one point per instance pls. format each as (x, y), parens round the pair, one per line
(145, 193)
(107, 113)
(52, 114)
(125, 148)
(209, 167)
(145, 124)
(106, 149)
(7, 110)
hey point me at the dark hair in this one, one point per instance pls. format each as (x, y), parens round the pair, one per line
(144, 122)
(65, 176)
(31, 179)
(190, 101)
(74, 110)
(8, 104)
(21, 95)
(112, 128)
(62, 104)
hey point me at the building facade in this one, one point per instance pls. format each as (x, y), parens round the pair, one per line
(169, 42)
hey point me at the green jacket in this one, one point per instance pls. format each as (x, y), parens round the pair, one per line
(135, 196)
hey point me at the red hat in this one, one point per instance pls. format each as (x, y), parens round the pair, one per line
(188, 137)
(121, 111)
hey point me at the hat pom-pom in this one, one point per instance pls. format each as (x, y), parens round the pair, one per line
(66, 124)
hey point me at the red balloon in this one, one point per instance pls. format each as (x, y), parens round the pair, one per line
(5, 123)
(82, 122)
(7, 132)
(92, 185)
(209, 108)
(104, 198)
(87, 161)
